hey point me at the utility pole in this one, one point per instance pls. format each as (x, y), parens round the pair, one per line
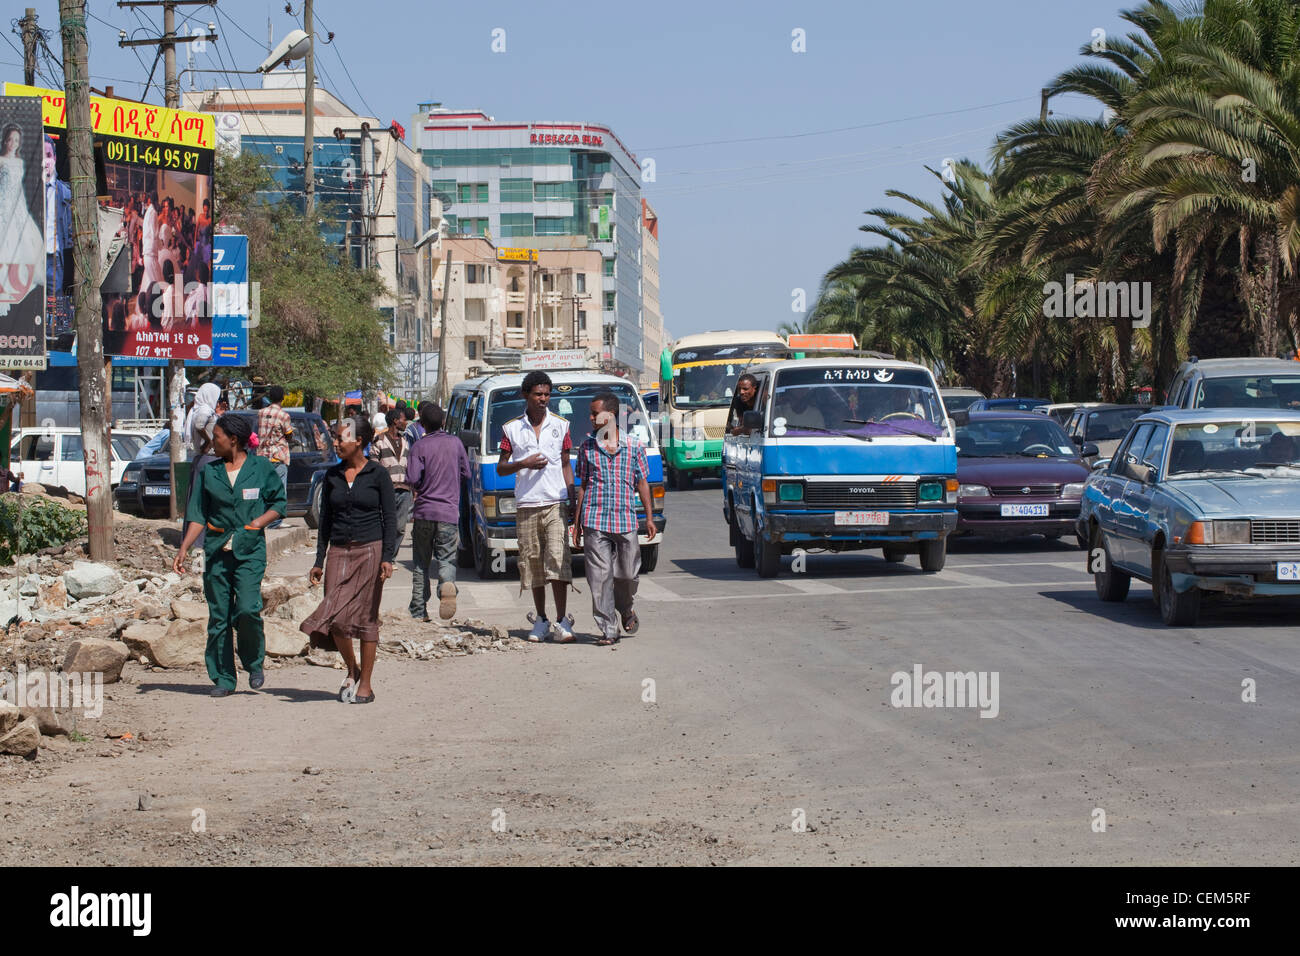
(28, 26)
(309, 112)
(95, 395)
(442, 334)
(172, 99)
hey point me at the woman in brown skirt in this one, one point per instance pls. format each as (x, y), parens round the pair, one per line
(358, 528)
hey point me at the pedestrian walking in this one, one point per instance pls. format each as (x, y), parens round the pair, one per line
(358, 532)
(274, 426)
(199, 426)
(390, 450)
(234, 498)
(414, 430)
(611, 468)
(536, 447)
(436, 469)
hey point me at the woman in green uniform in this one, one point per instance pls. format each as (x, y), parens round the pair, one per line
(234, 498)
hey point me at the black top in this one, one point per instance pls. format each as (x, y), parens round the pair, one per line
(365, 512)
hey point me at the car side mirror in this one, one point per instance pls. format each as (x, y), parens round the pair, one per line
(1140, 471)
(471, 437)
(1089, 451)
(752, 421)
(1101, 464)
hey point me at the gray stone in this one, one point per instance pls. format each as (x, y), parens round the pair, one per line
(9, 716)
(190, 611)
(180, 644)
(31, 585)
(91, 579)
(298, 609)
(53, 721)
(283, 640)
(23, 740)
(93, 654)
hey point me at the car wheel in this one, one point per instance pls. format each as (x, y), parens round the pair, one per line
(895, 555)
(464, 551)
(767, 556)
(1177, 610)
(649, 557)
(312, 517)
(934, 554)
(1112, 584)
(744, 550)
(483, 558)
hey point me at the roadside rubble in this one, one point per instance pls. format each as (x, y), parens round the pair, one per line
(66, 618)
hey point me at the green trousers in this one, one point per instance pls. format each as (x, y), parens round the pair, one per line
(233, 588)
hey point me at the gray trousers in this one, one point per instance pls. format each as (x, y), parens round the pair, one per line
(613, 561)
(431, 540)
(405, 505)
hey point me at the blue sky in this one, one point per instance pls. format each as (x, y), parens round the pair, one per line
(742, 224)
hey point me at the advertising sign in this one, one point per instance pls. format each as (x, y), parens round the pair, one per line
(507, 254)
(230, 301)
(553, 360)
(22, 235)
(155, 223)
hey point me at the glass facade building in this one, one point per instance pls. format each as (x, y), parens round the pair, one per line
(546, 185)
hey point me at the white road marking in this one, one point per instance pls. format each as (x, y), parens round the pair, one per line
(809, 586)
(647, 589)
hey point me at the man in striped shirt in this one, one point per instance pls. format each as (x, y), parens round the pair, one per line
(391, 450)
(611, 466)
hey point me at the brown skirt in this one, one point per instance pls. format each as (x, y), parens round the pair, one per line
(353, 590)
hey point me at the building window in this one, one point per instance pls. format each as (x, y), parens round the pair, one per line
(444, 189)
(478, 274)
(515, 320)
(516, 225)
(610, 301)
(471, 348)
(582, 320)
(610, 333)
(580, 281)
(472, 227)
(516, 190)
(609, 267)
(551, 192)
(472, 192)
(553, 226)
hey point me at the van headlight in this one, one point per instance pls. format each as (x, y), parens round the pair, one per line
(973, 491)
(693, 433)
(1073, 490)
(507, 505)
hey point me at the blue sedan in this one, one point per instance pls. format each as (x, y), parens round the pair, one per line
(1196, 501)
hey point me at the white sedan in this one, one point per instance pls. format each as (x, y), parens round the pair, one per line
(55, 457)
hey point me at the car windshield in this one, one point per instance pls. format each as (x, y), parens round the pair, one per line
(959, 403)
(127, 446)
(1250, 391)
(571, 401)
(1110, 424)
(858, 400)
(1013, 437)
(1235, 447)
(1014, 404)
(705, 377)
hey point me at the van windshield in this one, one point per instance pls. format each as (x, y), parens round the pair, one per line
(571, 401)
(856, 400)
(1250, 391)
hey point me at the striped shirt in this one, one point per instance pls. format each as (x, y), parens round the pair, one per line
(609, 483)
(391, 451)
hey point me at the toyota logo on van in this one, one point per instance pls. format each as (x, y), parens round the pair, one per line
(868, 490)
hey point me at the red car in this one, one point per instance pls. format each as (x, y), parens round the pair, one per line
(1019, 474)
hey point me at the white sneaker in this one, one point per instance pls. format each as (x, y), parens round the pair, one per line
(541, 627)
(564, 629)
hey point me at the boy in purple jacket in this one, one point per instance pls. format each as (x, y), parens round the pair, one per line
(435, 469)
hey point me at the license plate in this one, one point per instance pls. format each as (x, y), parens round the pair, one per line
(157, 490)
(1024, 511)
(876, 518)
(1288, 570)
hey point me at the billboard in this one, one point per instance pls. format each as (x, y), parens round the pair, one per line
(155, 224)
(22, 234)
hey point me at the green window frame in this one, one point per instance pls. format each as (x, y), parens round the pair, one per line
(517, 190)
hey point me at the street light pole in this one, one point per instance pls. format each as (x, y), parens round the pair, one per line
(309, 111)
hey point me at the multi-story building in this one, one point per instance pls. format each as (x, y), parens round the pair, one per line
(373, 193)
(490, 314)
(550, 186)
(653, 336)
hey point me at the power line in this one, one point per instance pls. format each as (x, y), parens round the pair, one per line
(838, 129)
(370, 109)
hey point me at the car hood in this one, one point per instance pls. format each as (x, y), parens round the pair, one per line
(1249, 497)
(1020, 471)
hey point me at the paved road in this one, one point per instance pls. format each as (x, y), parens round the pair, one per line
(772, 704)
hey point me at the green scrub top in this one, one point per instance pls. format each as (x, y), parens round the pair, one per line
(224, 510)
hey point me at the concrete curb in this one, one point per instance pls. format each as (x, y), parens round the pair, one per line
(282, 539)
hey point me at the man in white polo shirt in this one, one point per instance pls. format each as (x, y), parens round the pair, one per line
(535, 448)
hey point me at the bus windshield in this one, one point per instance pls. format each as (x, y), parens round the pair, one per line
(856, 400)
(571, 401)
(705, 376)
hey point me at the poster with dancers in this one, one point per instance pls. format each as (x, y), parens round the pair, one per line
(22, 234)
(155, 222)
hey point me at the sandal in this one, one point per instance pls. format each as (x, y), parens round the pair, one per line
(368, 699)
(631, 623)
(348, 692)
(607, 641)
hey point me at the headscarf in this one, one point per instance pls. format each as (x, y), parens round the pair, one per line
(205, 399)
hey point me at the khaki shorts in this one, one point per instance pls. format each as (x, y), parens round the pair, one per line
(543, 546)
